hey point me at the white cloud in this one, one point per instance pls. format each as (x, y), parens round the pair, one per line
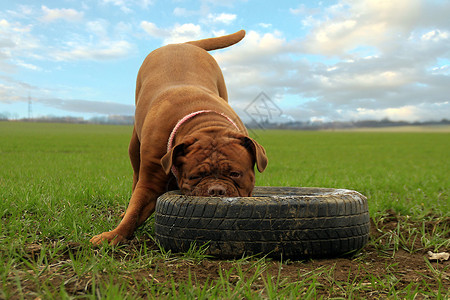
(301, 9)
(254, 46)
(105, 50)
(219, 32)
(58, 98)
(28, 65)
(16, 43)
(13, 90)
(120, 3)
(355, 59)
(410, 113)
(367, 79)
(362, 22)
(258, 63)
(66, 14)
(183, 12)
(88, 106)
(24, 10)
(384, 58)
(177, 34)
(183, 33)
(180, 12)
(125, 5)
(435, 35)
(153, 30)
(22, 47)
(223, 18)
(404, 113)
(441, 70)
(8, 29)
(315, 110)
(98, 27)
(229, 3)
(144, 3)
(124, 30)
(399, 85)
(265, 25)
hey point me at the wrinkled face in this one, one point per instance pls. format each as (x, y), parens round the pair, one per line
(220, 167)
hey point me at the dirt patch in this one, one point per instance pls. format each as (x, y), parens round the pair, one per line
(374, 272)
(368, 271)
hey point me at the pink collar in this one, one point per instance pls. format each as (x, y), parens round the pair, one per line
(182, 121)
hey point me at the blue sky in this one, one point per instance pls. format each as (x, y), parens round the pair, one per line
(329, 60)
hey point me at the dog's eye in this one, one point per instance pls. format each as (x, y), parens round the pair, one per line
(235, 174)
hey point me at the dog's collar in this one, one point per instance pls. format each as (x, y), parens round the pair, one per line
(182, 121)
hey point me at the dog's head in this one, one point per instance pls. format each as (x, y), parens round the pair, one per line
(222, 166)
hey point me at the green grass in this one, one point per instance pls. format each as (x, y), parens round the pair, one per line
(60, 184)
(407, 172)
(53, 175)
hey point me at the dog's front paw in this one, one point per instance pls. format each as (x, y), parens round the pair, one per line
(110, 236)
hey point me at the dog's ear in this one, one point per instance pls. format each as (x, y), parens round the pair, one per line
(169, 159)
(258, 151)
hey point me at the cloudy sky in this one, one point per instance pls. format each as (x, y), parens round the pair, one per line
(328, 60)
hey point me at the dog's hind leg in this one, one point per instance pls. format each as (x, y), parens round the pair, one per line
(134, 151)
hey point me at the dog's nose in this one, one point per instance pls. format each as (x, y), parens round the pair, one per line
(217, 190)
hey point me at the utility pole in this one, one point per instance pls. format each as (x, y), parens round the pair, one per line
(30, 110)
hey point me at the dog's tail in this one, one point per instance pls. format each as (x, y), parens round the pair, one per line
(219, 42)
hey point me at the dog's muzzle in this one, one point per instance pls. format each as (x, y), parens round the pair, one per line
(215, 188)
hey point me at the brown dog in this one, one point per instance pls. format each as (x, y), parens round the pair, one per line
(185, 129)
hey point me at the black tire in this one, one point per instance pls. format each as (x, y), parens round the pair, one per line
(276, 221)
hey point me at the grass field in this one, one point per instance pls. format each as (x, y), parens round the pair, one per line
(62, 183)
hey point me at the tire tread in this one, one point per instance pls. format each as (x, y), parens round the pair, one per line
(292, 226)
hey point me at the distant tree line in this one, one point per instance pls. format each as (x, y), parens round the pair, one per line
(111, 119)
(301, 125)
(318, 125)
